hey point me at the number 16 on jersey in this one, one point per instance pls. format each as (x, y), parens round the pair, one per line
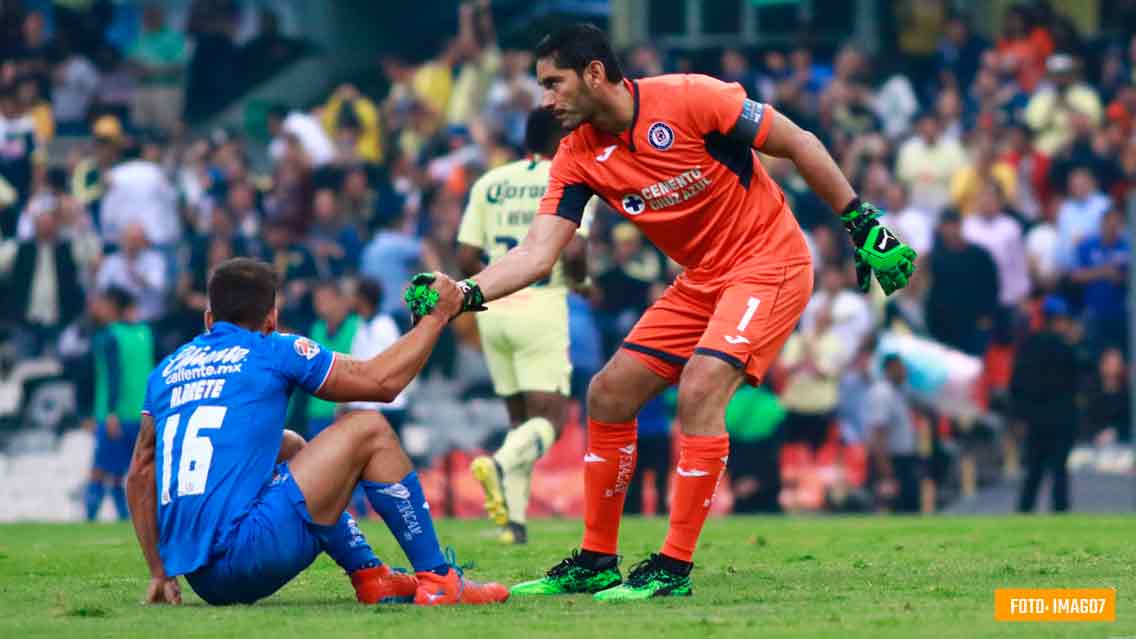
(196, 453)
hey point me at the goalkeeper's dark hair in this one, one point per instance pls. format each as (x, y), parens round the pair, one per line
(575, 46)
(543, 132)
(242, 291)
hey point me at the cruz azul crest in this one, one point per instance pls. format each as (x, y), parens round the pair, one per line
(660, 136)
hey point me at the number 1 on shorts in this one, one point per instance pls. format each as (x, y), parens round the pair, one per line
(751, 308)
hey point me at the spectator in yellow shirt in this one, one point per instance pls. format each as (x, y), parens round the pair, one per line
(984, 163)
(368, 142)
(33, 104)
(433, 83)
(428, 84)
(813, 360)
(927, 161)
(1051, 110)
(416, 104)
(476, 49)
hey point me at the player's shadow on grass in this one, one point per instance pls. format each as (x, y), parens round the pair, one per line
(308, 602)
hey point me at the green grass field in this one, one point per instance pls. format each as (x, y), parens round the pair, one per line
(756, 577)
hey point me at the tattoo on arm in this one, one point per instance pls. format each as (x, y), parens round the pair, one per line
(353, 367)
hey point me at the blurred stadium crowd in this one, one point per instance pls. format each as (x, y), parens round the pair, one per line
(1007, 162)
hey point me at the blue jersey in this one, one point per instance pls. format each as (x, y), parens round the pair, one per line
(219, 405)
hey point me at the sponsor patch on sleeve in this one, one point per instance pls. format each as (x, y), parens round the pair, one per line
(749, 122)
(306, 348)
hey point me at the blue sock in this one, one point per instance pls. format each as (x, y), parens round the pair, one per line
(94, 499)
(359, 502)
(118, 494)
(404, 509)
(345, 543)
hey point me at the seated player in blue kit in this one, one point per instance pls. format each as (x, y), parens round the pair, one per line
(207, 495)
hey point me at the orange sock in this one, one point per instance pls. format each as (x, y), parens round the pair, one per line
(701, 461)
(609, 464)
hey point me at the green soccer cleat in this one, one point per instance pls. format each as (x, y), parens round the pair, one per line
(571, 577)
(649, 579)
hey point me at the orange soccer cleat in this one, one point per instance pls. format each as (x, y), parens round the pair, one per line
(454, 588)
(383, 585)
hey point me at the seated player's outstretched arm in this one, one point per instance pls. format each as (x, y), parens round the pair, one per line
(529, 261)
(141, 493)
(384, 376)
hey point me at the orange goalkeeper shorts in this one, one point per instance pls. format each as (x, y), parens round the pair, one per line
(744, 320)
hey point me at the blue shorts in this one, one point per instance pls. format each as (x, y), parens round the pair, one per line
(112, 456)
(266, 548)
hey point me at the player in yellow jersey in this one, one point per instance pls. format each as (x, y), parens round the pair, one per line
(525, 335)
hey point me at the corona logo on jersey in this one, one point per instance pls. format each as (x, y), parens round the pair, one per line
(669, 192)
(501, 191)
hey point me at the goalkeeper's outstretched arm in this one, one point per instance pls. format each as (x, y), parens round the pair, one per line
(878, 249)
(813, 161)
(530, 261)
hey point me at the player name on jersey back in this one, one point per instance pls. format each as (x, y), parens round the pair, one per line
(194, 391)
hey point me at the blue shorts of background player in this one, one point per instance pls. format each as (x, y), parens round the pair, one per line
(112, 454)
(275, 541)
(317, 425)
(113, 450)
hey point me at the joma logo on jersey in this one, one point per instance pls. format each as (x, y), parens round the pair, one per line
(679, 188)
(501, 191)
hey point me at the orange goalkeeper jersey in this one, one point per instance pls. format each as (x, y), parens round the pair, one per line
(686, 174)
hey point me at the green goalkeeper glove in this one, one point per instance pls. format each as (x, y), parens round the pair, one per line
(421, 297)
(878, 250)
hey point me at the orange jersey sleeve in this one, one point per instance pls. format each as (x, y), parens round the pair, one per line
(722, 107)
(567, 192)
